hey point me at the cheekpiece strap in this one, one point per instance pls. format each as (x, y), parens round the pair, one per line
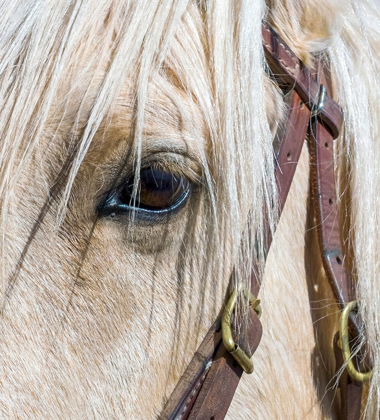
(209, 383)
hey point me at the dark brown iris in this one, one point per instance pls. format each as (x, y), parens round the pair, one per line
(157, 190)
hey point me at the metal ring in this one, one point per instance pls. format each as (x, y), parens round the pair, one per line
(345, 343)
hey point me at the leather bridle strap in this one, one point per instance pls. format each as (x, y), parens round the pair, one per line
(324, 196)
(207, 387)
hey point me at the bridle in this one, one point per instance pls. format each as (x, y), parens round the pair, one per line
(207, 387)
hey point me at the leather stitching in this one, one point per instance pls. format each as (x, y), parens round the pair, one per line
(194, 392)
(291, 70)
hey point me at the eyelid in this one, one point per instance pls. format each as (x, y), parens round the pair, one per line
(178, 165)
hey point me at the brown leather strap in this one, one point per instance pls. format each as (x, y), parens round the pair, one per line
(184, 395)
(328, 228)
(209, 362)
(350, 392)
(288, 70)
(223, 378)
(204, 391)
(293, 135)
(327, 219)
(213, 396)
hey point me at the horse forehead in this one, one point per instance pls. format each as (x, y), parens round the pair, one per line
(171, 120)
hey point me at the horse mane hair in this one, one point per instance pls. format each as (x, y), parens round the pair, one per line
(213, 51)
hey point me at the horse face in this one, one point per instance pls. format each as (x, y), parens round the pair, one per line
(135, 139)
(110, 296)
(113, 282)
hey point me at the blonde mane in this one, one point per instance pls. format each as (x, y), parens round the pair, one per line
(65, 65)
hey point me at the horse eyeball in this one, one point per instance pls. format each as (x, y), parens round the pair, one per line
(156, 190)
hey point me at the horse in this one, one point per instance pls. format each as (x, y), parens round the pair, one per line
(137, 143)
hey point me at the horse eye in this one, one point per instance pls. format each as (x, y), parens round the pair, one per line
(156, 190)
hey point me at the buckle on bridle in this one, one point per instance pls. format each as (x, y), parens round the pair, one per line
(345, 346)
(239, 355)
(320, 103)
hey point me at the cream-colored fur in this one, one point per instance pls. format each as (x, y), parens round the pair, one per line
(100, 315)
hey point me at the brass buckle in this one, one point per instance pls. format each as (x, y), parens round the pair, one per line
(345, 345)
(239, 355)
